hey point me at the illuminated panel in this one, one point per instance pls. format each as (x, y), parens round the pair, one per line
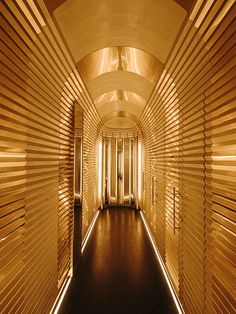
(132, 168)
(120, 59)
(152, 26)
(126, 167)
(119, 95)
(113, 168)
(123, 167)
(139, 171)
(120, 114)
(119, 80)
(119, 100)
(100, 170)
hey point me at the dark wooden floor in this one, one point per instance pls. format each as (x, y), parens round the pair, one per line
(119, 272)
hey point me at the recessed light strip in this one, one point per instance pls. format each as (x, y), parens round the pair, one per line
(163, 268)
(60, 297)
(62, 293)
(89, 231)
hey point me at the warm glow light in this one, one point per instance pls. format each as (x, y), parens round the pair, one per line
(109, 171)
(139, 170)
(29, 16)
(36, 12)
(231, 157)
(56, 307)
(223, 12)
(90, 229)
(100, 171)
(195, 9)
(163, 268)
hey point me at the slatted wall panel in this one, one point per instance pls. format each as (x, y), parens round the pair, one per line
(140, 136)
(153, 129)
(220, 132)
(172, 188)
(192, 204)
(196, 93)
(147, 200)
(159, 162)
(12, 204)
(90, 169)
(146, 177)
(39, 86)
(66, 197)
(139, 170)
(99, 170)
(184, 70)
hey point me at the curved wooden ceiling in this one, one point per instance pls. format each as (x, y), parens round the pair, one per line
(120, 59)
(120, 47)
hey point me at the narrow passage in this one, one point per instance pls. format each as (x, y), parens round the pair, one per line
(119, 272)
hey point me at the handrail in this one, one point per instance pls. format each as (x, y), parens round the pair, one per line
(174, 210)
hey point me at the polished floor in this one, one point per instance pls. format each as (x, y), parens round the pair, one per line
(118, 271)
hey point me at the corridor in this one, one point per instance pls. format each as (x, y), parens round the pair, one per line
(118, 271)
(117, 156)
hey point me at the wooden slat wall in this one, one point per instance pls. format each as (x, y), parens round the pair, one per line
(220, 109)
(91, 138)
(139, 170)
(172, 187)
(66, 197)
(39, 87)
(192, 112)
(153, 135)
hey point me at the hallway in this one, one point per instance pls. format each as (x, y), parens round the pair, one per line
(119, 272)
(107, 103)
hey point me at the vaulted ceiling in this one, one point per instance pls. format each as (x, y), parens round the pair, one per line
(120, 48)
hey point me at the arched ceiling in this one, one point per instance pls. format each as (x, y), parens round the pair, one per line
(120, 48)
(120, 59)
(53, 4)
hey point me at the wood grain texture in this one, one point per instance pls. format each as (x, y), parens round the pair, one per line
(40, 84)
(189, 136)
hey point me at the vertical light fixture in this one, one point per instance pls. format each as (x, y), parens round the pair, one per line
(139, 171)
(103, 171)
(100, 171)
(130, 164)
(109, 171)
(123, 170)
(116, 178)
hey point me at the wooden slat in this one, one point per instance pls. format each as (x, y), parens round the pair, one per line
(189, 135)
(40, 84)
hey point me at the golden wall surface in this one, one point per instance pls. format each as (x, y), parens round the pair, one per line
(188, 127)
(189, 138)
(39, 87)
(91, 140)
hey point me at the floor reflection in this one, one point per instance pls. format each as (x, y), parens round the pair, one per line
(119, 272)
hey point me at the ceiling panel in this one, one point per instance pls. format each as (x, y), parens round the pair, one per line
(120, 48)
(119, 95)
(120, 59)
(132, 108)
(151, 26)
(119, 80)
